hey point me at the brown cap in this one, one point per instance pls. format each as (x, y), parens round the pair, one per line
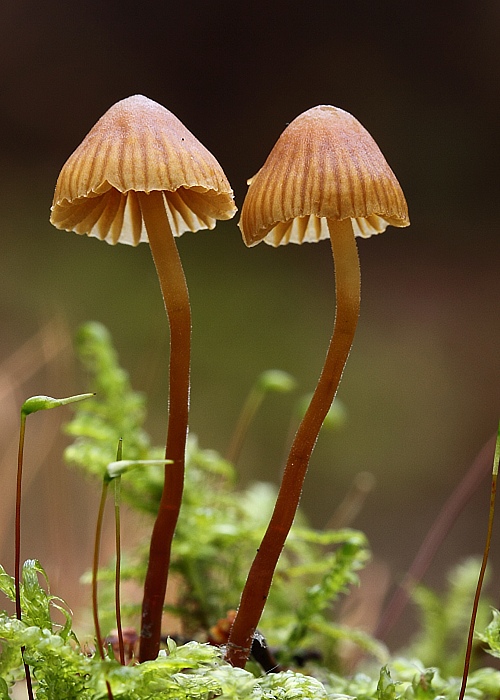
(325, 165)
(139, 146)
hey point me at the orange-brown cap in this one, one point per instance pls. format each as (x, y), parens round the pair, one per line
(139, 146)
(325, 165)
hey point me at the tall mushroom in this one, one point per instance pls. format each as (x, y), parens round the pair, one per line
(140, 175)
(324, 178)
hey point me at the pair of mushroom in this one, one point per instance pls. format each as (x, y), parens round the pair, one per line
(140, 175)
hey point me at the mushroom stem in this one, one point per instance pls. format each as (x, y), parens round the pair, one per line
(258, 583)
(176, 299)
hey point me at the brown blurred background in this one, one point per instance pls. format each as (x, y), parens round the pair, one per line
(422, 384)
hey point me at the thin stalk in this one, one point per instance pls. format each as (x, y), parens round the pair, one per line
(272, 380)
(255, 592)
(95, 568)
(250, 408)
(118, 612)
(17, 543)
(176, 298)
(434, 538)
(353, 502)
(17, 559)
(31, 405)
(482, 571)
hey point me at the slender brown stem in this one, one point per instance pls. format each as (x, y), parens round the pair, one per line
(470, 637)
(250, 408)
(486, 551)
(253, 599)
(434, 538)
(118, 548)
(95, 569)
(17, 543)
(31, 405)
(176, 299)
(17, 555)
(118, 611)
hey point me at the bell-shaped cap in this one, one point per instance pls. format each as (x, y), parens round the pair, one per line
(325, 165)
(139, 146)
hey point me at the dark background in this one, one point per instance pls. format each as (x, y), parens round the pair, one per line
(421, 388)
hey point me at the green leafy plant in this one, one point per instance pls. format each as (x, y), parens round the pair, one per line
(63, 668)
(219, 527)
(445, 619)
(31, 405)
(230, 523)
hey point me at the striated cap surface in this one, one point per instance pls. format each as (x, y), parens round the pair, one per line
(325, 165)
(139, 146)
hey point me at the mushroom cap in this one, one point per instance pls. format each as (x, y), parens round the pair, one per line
(139, 146)
(325, 165)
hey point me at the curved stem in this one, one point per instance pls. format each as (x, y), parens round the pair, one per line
(253, 599)
(31, 405)
(434, 539)
(118, 563)
(176, 299)
(486, 551)
(95, 569)
(17, 554)
(470, 636)
(250, 408)
(118, 609)
(17, 544)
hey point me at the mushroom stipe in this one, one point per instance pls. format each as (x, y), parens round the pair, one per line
(140, 175)
(324, 177)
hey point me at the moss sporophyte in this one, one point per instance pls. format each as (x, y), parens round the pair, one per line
(31, 405)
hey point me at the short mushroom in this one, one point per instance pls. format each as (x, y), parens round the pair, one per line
(140, 175)
(324, 178)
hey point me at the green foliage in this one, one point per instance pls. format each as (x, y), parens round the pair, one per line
(58, 664)
(339, 572)
(445, 619)
(219, 528)
(36, 603)
(115, 412)
(61, 668)
(491, 635)
(229, 526)
(409, 679)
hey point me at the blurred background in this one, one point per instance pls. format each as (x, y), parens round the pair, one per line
(421, 388)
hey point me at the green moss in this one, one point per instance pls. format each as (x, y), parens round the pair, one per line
(219, 528)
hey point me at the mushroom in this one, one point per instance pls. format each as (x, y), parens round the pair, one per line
(140, 175)
(324, 178)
